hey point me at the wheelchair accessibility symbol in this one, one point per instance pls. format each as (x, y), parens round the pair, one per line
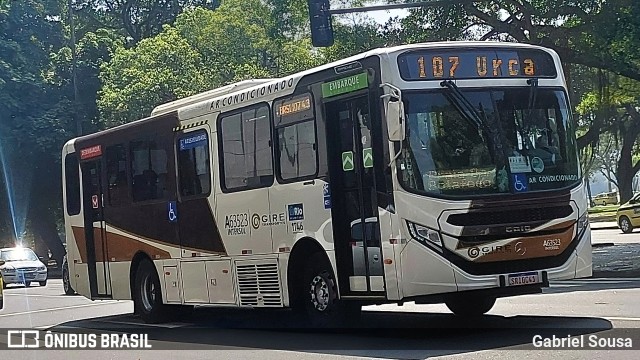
(172, 211)
(520, 182)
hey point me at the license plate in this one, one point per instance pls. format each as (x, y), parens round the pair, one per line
(523, 279)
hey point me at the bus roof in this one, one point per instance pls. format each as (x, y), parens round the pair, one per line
(210, 94)
(198, 102)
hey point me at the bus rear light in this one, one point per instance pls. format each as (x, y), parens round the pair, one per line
(424, 234)
(388, 261)
(393, 241)
(284, 249)
(246, 252)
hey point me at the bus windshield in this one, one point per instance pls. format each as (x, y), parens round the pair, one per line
(504, 141)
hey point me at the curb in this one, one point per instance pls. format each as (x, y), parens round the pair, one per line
(616, 274)
(599, 245)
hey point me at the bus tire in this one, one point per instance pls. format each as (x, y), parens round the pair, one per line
(470, 306)
(147, 294)
(66, 284)
(625, 225)
(321, 304)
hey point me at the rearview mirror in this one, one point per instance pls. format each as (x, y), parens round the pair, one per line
(395, 120)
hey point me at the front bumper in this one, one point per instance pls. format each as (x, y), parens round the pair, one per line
(21, 278)
(426, 273)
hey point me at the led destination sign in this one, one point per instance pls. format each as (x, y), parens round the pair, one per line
(294, 106)
(475, 64)
(292, 109)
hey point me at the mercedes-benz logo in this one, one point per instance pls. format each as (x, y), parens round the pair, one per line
(520, 248)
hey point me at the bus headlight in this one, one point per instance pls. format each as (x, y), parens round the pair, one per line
(425, 235)
(583, 223)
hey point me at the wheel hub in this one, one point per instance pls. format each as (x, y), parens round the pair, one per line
(319, 293)
(148, 293)
(625, 224)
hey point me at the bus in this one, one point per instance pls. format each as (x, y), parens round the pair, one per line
(441, 172)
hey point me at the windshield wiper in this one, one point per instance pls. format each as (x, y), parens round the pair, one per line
(525, 130)
(462, 104)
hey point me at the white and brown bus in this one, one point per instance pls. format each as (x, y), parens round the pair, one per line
(440, 172)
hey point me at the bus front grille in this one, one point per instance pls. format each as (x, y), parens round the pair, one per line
(510, 216)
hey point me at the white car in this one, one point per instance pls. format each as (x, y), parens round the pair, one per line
(22, 266)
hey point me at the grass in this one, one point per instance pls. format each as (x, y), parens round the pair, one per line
(603, 209)
(603, 213)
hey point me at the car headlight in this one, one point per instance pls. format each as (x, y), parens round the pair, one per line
(583, 223)
(9, 270)
(425, 235)
(41, 268)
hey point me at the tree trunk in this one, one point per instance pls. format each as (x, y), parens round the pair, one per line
(43, 225)
(626, 169)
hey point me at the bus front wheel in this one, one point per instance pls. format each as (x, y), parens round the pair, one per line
(465, 305)
(322, 306)
(147, 299)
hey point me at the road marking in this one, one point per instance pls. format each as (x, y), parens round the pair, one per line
(168, 326)
(33, 295)
(621, 318)
(58, 308)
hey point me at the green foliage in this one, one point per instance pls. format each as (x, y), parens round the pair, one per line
(157, 70)
(204, 49)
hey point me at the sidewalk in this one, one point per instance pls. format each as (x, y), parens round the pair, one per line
(599, 225)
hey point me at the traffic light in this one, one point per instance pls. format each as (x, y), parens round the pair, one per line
(320, 19)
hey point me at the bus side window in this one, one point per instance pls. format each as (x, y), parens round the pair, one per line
(117, 175)
(194, 171)
(148, 167)
(246, 149)
(72, 184)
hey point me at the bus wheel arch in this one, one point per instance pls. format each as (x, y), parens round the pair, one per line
(315, 290)
(135, 263)
(298, 258)
(146, 290)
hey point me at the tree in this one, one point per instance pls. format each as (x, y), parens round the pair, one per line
(137, 19)
(32, 126)
(204, 49)
(618, 149)
(157, 70)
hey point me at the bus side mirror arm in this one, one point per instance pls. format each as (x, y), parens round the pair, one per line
(394, 116)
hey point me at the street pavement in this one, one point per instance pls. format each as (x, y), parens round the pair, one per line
(600, 225)
(602, 306)
(615, 254)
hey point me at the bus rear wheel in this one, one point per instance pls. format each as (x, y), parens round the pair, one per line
(322, 306)
(147, 297)
(466, 305)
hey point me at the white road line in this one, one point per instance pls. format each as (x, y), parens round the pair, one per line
(622, 318)
(168, 326)
(38, 295)
(58, 308)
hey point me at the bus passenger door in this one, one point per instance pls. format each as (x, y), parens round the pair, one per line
(94, 230)
(354, 208)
